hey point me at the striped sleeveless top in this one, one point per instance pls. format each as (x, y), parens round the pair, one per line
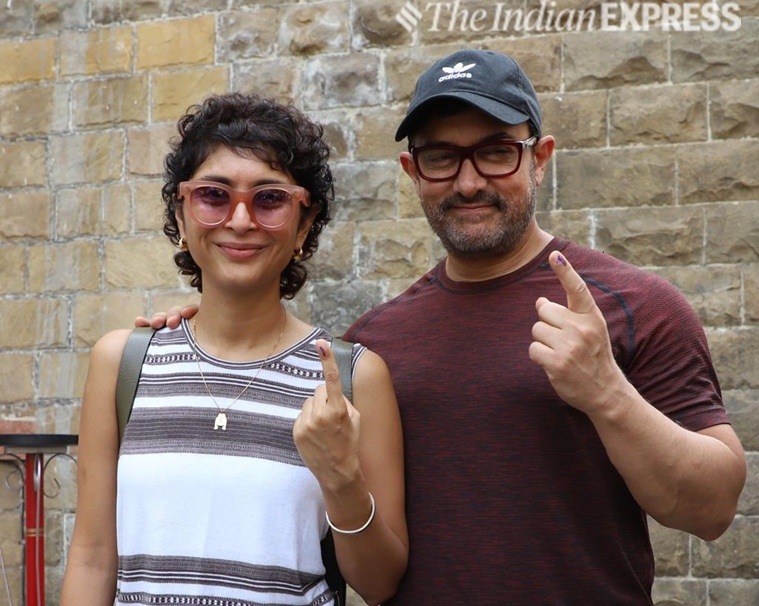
(219, 517)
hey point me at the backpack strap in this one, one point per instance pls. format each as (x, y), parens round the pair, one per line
(344, 356)
(129, 373)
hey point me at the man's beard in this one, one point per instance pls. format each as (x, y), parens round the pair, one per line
(493, 239)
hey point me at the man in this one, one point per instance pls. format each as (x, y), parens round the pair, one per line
(551, 395)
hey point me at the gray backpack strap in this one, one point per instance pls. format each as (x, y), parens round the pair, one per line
(129, 373)
(344, 356)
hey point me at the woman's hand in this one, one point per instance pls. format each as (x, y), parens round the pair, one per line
(327, 430)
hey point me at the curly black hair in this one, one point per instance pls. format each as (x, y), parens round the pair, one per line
(276, 133)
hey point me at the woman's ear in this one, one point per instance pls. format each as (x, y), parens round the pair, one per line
(179, 216)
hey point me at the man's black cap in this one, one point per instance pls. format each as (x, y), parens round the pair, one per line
(490, 81)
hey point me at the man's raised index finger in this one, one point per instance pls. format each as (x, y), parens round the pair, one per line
(331, 373)
(579, 298)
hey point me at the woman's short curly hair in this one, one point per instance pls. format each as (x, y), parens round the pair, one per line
(276, 133)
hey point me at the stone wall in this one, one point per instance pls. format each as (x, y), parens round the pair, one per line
(658, 143)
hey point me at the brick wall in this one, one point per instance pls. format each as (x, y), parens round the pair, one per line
(658, 143)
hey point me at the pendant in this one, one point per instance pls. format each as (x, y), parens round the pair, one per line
(221, 421)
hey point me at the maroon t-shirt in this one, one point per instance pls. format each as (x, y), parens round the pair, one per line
(511, 497)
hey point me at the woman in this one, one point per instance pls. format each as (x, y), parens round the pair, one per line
(236, 447)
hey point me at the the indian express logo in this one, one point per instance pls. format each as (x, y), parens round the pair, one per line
(549, 17)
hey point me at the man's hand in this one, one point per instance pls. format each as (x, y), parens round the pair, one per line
(169, 318)
(327, 429)
(572, 344)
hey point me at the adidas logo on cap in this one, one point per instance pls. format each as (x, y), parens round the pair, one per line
(457, 71)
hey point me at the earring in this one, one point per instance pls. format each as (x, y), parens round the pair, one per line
(298, 253)
(182, 244)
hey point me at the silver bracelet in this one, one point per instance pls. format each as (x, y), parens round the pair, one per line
(357, 530)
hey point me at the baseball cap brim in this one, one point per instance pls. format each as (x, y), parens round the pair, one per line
(493, 107)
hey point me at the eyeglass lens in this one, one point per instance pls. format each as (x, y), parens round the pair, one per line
(492, 159)
(212, 205)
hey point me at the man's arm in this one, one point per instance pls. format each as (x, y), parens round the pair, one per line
(683, 479)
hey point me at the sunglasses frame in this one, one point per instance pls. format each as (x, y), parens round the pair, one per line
(298, 194)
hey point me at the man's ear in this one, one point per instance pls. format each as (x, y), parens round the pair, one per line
(407, 163)
(543, 151)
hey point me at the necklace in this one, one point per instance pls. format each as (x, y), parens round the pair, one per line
(221, 418)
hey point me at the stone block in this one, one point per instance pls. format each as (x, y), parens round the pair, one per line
(394, 249)
(742, 406)
(751, 293)
(111, 101)
(585, 178)
(671, 550)
(712, 172)
(336, 304)
(147, 148)
(734, 109)
(13, 269)
(273, 78)
(735, 551)
(175, 91)
(175, 42)
(78, 212)
(62, 374)
(375, 134)
(17, 22)
(11, 541)
(732, 233)
(26, 111)
(22, 164)
(16, 377)
(33, 323)
(374, 24)
(365, 192)
(651, 236)
(722, 55)
(25, 214)
(576, 120)
(148, 205)
(96, 52)
(140, 263)
(570, 224)
(732, 592)
(611, 59)
(736, 357)
(115, 11)
(748, 504)
(191, 7)
(96, 314)
(28, 60)
(714, 292)
(117, 208)
(314, 29)
(330, 81)
(658, 114)
(538, 56)
(64, 267)
(56, 16)
(87, 158)
(244, 35)
(335, 258)
(339, 132)
(679, 592)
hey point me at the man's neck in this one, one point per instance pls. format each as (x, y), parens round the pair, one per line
(462, 269)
